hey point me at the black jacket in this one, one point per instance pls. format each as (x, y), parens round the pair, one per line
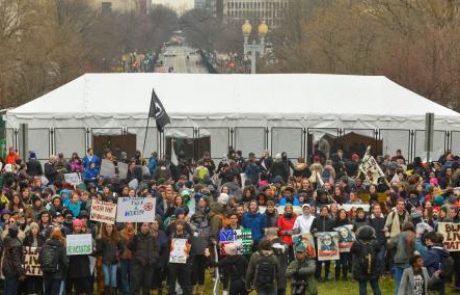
(378, 224)
(34, 168)
(63, 260)
(109, 250)
(235, 266)
(364, 262)
(144, 248)
(28, 240)
(322, 224)
(13, 258)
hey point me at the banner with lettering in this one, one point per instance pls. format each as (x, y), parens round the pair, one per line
(104, 212)
(79, 244)
(328, 246)
(136, 209)
(451, 233)
(31, 264)
(242, 238)
(346, 237)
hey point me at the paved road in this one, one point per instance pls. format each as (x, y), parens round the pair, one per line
(176, 57)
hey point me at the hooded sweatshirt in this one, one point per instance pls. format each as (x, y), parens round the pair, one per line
(256, 222)
(303, 223)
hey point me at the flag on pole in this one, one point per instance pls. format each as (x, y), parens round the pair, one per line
(158, 112)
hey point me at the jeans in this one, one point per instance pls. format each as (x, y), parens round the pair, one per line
(381, 259)
(11, 285)
(397, 275)
(125, 271)
(53, 287)
(110, 275)
(374, 285)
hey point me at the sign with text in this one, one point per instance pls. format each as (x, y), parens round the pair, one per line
(104, 212)
(242, 238)
(31, 264)
(72, 178)
(451, 234)
(79, 244)
(136, 209)
(346, 237)
(179, 251)
(328, 246)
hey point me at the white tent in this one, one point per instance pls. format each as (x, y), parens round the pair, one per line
(107, 103)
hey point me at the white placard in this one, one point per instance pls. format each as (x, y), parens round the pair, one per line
(136, 209)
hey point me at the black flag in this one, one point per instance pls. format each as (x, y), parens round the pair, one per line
(158, 112)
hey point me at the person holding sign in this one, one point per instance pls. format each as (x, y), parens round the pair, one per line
(54, 263)
(144, 256)
(179, 270)
(33, 240)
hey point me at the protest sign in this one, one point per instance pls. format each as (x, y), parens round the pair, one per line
(451, 234)
(31, 264)
(328, 246)
(348, 207)
(79, 244)
(308, 242)
(72, 178)
(346, 237)
(179, 251)
(104, 212)
(109, 170)
(241, 237)
(136, 209)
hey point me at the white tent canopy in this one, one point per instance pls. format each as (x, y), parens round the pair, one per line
(105, 101)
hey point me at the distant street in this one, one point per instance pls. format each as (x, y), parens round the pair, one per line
(175, 57)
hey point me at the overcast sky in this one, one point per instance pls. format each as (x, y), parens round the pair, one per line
(179, 5)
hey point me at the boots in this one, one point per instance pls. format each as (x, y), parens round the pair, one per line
(200, 290)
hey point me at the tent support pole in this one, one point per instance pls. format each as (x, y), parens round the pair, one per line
(145, 136)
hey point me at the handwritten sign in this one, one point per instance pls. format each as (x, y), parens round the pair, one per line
(179, 251)
(31, 264)
(451, 234)
(72, 178)
(104, 212)
(328, 246)
(136, 209)
(79, 244)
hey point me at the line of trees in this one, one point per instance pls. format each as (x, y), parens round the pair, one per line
(46, 43)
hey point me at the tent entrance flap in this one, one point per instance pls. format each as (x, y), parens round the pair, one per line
(116, 144)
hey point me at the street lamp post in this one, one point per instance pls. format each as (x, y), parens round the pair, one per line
(254, 48)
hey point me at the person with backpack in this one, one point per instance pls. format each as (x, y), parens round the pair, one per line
(415, 279)
(281, 251)
(302, 271)
(235, 266)
(435, 258)
(365, 263)
(54, 263)
(110, 247)
(13, 260)
(263, 268)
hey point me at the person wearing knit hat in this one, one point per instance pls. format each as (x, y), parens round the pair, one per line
(302, 272)
(223, 199)
(79, 275)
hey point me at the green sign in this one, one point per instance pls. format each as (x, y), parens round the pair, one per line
(79, 244)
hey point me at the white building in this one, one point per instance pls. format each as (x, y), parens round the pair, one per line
(237, 11)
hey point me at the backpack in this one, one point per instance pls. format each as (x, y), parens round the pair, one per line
(265, 273)
(366, 258)
(447, 265)
(49, 259)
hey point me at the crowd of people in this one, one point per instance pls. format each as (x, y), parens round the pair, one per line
(393, 220)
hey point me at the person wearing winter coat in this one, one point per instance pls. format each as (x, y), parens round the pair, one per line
(109, 247)
(304, 222)
(302, 272)
(235, 266)
(365, 265)
(323, 223)
(281, 251)
(256, 221)
(126, 238)
(180, 271)
(13, 260)
(200, 247)
(415, 279)
(360, 219)
(377, 221)
(33, 239)
(144, 256)
(342, 265)
(281, 167)
(285, 227)
(271, 214)
(254, 275)
(34, 167)
(403, 246)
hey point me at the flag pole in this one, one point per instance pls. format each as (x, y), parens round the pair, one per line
(145, 135)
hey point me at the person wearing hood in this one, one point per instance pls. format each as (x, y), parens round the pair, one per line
(301, 169)
(264, 282)
(302, 270)
(323, 223)
(34, 167)
(13, 260)
(256, 221)
(53, 281)
(286, 226)
(365, 265)
(287, 196)
(433, 254)
(304, 222)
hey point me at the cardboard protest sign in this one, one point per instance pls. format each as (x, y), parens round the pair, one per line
(109, 170)
(136, 209)
(179, 251)
(31, 264)
(451, 234)
(79, 244)
(348, 207)
(346, 237)
(104, 212)
(241, 237)
(72, 178)
(328, 246)
(308, 242)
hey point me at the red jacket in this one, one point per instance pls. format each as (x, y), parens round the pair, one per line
(286, 224)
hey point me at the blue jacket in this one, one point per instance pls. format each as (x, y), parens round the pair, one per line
(432, 257)
(90, 174)
(94, 159)
(152, 165)
(74, 207)
(256, 222)
(283, 201)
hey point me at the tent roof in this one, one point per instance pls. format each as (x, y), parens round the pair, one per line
(250, 95)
